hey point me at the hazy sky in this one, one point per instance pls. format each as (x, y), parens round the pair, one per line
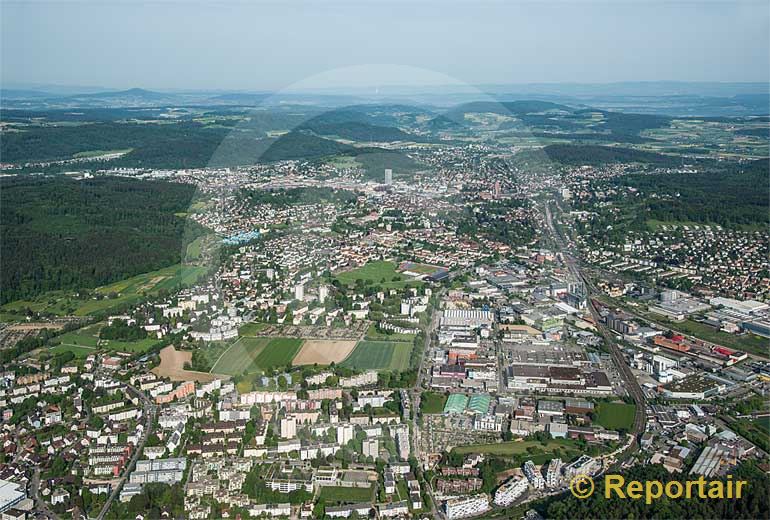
(272, 45)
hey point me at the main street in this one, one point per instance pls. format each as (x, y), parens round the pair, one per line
(149, 415)
(416, 392)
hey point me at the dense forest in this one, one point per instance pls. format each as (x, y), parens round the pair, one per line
(733, 195)
(69, 234)
(579, 155)
(179, 143)
(754, 505)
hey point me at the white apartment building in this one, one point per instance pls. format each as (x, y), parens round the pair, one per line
(510, 491)
(466, 506)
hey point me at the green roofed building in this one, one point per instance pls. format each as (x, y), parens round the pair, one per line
(456, 403)
(479, 403)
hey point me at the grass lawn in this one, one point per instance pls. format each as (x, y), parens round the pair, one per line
(339, 495)
(763, 423)
(375, 273)
(80, 339)
(251, 329)
(519, 448)
(128, 291)
(131, 347)
(432, 402)
(248, 355)
(80, 352)
(615, 416)
(375, 335)
(379, 355)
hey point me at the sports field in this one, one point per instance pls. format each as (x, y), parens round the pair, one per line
(350, 495)
(248, 355)
(616, 416)
(379, 355)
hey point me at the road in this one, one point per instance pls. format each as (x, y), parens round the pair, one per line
(416, 392)
(149, 415)
(630, 383)
(40, 505)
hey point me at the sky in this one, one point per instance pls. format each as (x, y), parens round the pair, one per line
(262, 45)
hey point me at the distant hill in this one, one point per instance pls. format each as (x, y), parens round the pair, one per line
(357, 131)
(513, 108)
(300, 145)
(454, 118)
(238, 98)
(9, 93)
(139, 93)
(578, 155)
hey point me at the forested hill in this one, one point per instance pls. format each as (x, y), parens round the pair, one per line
(731, 195)
(60, 233)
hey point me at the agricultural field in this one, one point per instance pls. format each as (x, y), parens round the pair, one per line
(323, 352)
(278, 352)
(172, 364)
(615, 416)
(380, 272)
(340, 495)
(379, 355)
(249, 355)
(239, 355)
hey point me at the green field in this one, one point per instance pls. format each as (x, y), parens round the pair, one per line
(80, 352)
(432, 402)
(79, 338)
(375, 335)
(763, 423)
(379, 355)
(131, 347)
(519, 447)
(251, 329)
(249, 355)
(338, 495)
(375, 273)
(615, 416)
(278, 352)
(87, 338)
(128, 291)
(241, 354)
